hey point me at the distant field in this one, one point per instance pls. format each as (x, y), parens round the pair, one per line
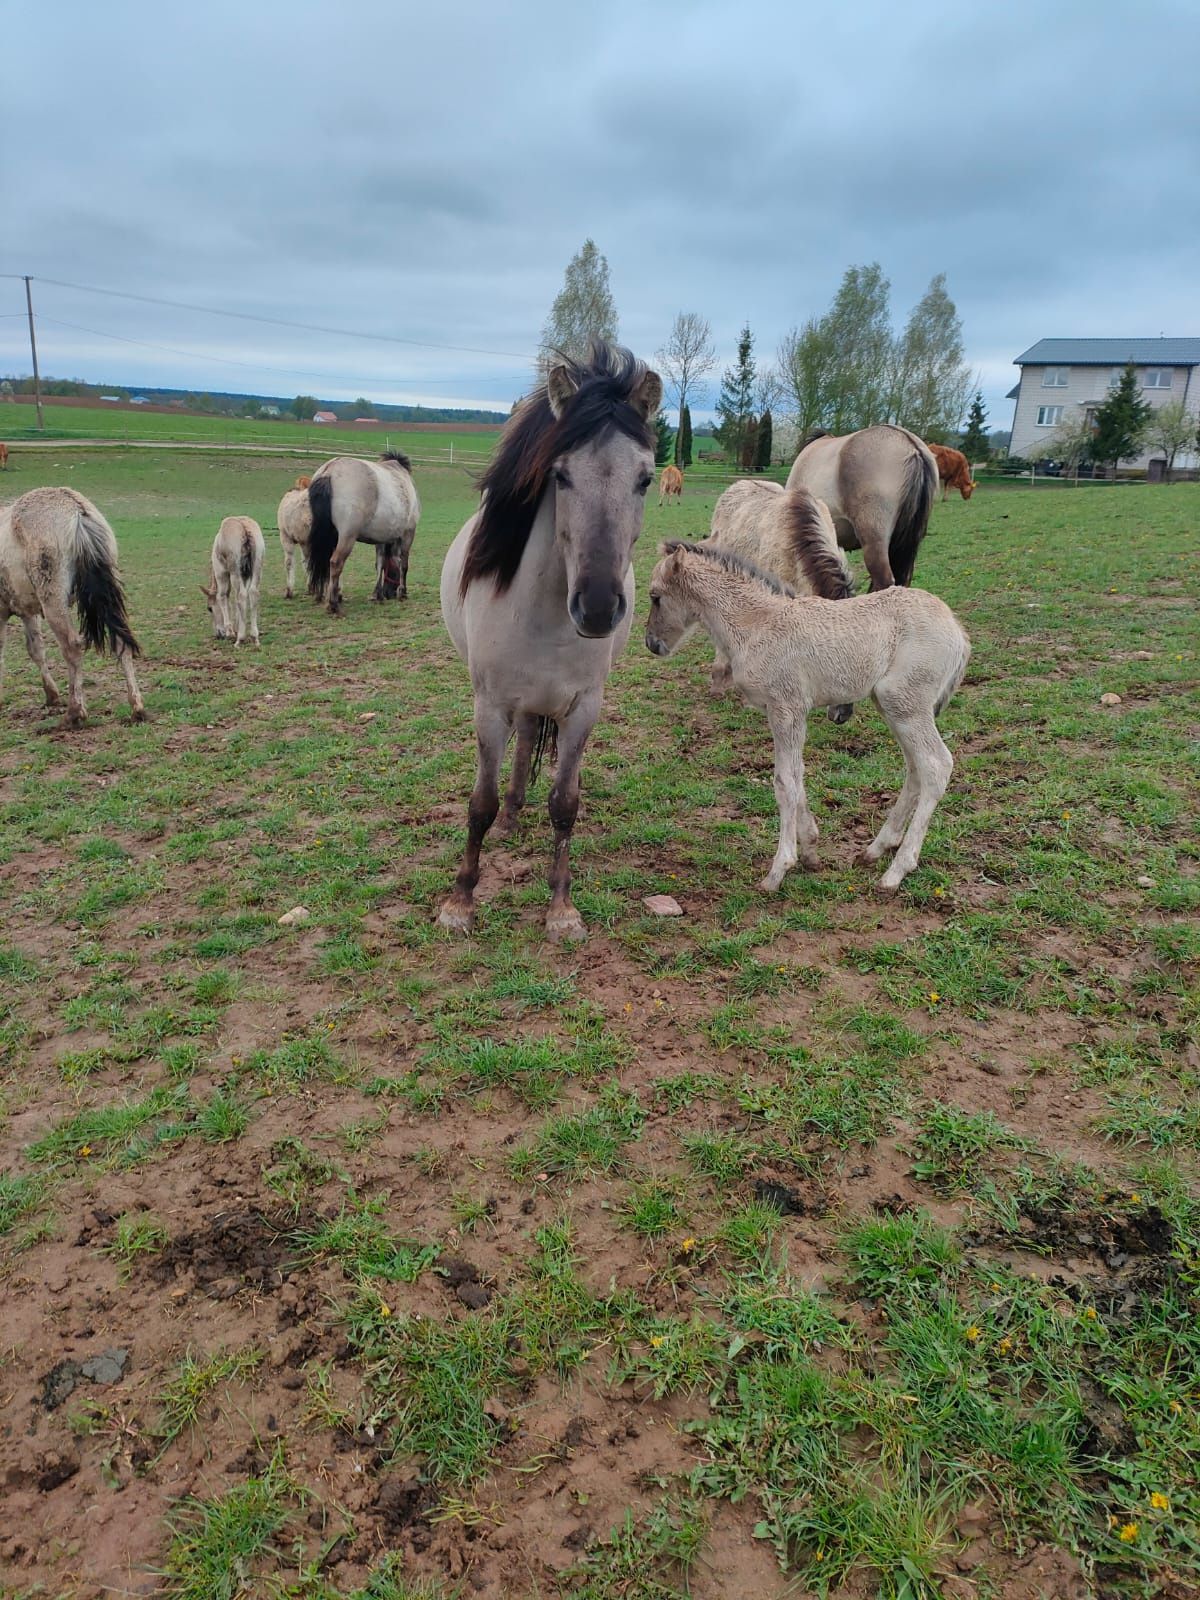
(18, 423)
(803, 1245)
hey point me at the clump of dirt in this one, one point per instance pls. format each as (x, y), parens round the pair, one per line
(465, 1282)
(234, 1250)
(401, 1502)
(789, 1201)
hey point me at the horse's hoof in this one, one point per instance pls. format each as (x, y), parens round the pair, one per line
(864, 858)
(886, 890)
(565, 925)
(456, 916)
(138, 714)
(76, 719)
(770, 885)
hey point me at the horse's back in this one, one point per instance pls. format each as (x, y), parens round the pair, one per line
(294, 516)
(377, 501)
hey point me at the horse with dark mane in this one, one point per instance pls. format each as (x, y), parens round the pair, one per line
(879, 485)
(538, 594)
(364, 502)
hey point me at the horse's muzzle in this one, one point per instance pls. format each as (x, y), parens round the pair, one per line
(655, 645)
(597, 615)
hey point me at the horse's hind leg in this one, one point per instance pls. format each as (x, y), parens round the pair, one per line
(562, 919)
(491, 736)
(333, 589)
(125, 662)
(518, 783)
(722, 674)
(874, 544)
(289, 567)
(54, 609)
(927, 757)
(36, 646)
(404, 549)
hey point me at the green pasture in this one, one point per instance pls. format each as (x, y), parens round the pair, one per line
(881, 1217)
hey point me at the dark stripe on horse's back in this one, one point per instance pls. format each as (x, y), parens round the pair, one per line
(731, 563)
(515, 479)
(827, 575)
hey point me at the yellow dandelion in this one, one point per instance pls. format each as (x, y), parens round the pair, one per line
(973, 1333)
(1090, 1313)
(1175, 1408)
(1005, 1345)
(688, 1244)
(934, 997)
(1135, 1199)
(1159, 1501)
(1066, 816)
(939, 892)
(657, 1342)
(384, 1310)
(820, 1555)
(1128, 1533)
(993, 1285)
(85, 1149)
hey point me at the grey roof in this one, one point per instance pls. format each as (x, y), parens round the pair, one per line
(1112, 352)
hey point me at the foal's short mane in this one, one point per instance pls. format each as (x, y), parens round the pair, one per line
(731, 563)
(398, 457)
(827, 576)
(514, 481)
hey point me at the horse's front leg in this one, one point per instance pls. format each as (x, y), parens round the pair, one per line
(797, 827)
(491, 736)
(562, 919)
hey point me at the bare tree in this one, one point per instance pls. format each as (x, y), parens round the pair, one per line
(583, 310)
(1170, 429)
(688, 354)
(1070, 443)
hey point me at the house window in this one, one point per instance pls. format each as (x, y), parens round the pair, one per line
(1049, 416)
(1055, 377)
(1157, 378)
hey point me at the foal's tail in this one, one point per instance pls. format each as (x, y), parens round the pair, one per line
(956, 673)
(912, 519)
(247, 561)
(96, 586)
(323, 539)
(547, 739)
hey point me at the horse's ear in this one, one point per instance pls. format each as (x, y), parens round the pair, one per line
(647, 397)
(561, 384)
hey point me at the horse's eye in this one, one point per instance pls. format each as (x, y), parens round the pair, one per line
(653, 599)
(644, 484)
(562, 477)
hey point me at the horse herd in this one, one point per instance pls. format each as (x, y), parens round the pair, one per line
(538, 595)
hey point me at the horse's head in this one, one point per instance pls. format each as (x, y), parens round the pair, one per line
(392, 577)
(600, 476)
(674, 613)
(216, 609)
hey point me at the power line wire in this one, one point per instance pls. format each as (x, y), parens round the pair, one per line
(275, 322)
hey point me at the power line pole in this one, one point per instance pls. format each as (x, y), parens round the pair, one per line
(37, 382)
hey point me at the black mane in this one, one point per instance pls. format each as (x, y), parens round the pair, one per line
(731, 563)
(398, 457)
(827, 577)
(514, 481)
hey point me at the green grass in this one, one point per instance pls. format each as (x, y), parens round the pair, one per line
(1009, 1041)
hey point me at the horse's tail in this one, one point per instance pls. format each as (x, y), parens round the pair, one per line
(96, 585)
(957, 670)
(322, 541)
(912, 519)
(547, 739)
(814, 546)
(247, 561)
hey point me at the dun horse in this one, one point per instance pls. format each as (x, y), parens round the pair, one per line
(368, 502)
(56, 550)
(787, 532)
(294, 521)
(538, 594)
(903, 647)
(879, 486)
(670, 486)
(238, 553)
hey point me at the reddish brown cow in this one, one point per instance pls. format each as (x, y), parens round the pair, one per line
(953, 470)
(4, 457)
(670, 485)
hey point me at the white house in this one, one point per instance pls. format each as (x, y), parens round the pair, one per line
(1061, 377)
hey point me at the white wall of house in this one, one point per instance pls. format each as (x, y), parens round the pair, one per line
(1042, 388)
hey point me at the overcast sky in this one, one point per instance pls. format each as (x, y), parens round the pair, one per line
(426, 173)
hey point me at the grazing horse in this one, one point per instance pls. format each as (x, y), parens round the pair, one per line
(238, 553)
(787, 532)
(538, 594)
(954, 470)
(879, 485)
(294, 521)
(368, 502)
(903, 647)
(57, 550)
(670, 485)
